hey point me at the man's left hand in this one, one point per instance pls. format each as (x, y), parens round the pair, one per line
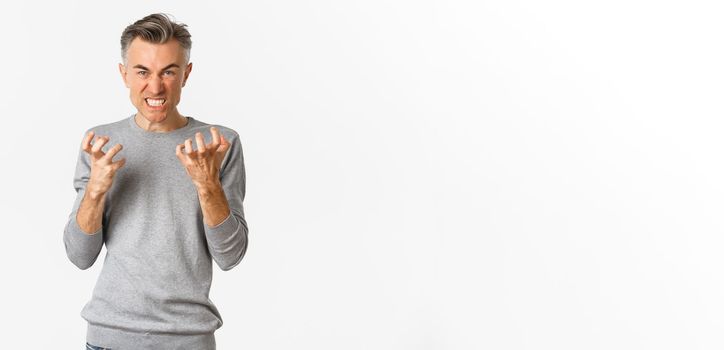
(203, 164)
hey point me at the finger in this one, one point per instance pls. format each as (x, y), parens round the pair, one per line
(112, 152)
(215, 139)
(117, 165)
(85, 145)
(187, 147)
(181, 156)
(200, 146)
(224, 146)
(100, 141)
(96, 145)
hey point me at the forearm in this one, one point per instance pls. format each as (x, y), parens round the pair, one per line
(90, 212)
(214, 205)
(226, 231)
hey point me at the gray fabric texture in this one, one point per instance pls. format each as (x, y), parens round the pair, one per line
(153, 289)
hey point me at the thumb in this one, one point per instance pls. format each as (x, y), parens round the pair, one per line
(120, 163)
(224, 146)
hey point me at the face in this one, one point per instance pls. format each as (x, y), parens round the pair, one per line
(155, 74)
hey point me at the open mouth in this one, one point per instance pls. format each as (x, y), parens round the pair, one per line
(155, 102)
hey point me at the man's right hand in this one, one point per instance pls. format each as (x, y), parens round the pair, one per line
(102, 166)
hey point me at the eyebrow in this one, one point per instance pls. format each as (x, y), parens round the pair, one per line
(172, 65)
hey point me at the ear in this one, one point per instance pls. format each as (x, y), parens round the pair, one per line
(187, 72)
(122, 70)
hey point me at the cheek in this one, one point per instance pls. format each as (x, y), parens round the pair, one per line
(175, 87)
(136, 88)
(138, 95)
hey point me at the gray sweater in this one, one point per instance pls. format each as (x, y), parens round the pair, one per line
(153, 289)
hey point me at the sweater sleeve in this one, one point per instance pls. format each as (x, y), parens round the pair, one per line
(82, 249)
(227, 241)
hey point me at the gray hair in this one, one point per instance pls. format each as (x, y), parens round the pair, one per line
(157, 28)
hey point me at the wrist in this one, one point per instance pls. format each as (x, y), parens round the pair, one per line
(208, 187)
(94, 194)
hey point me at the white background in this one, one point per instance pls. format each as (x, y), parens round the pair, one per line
(420, 174)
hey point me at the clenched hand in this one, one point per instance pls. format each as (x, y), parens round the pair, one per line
(203, 164)
(102, 165)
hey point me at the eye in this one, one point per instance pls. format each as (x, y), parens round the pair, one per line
(142, 73)
(169, 72)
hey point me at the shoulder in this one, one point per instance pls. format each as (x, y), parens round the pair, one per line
(230, 134)
(108, 128)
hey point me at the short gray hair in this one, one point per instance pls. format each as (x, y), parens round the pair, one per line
(157, 28)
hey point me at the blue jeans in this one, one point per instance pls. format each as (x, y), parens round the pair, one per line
(93, 347)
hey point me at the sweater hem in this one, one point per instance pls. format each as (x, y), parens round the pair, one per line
(118, 339)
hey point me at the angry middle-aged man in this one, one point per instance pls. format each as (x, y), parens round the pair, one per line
(165, 210)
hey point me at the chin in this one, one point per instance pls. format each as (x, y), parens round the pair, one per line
(155, 116)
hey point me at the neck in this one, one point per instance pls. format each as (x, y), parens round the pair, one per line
(172, 122)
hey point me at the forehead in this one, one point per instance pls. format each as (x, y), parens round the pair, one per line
(154, 55)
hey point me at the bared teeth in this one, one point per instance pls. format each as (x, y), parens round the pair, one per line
(155, 102)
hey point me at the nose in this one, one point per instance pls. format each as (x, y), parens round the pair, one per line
(155, 85)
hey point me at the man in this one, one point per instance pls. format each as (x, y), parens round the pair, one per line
(164, 211)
